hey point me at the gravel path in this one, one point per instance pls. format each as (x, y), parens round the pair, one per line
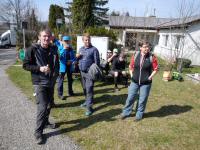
(17, 116)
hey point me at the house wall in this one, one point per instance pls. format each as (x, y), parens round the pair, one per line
(188, 47)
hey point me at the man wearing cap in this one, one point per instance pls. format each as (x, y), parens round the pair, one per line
(66, 59)
(118, 65)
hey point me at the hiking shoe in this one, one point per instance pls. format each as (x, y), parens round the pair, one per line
(89, 112)
(71, 94)
(50, 125)
(124, 117)
(83, 105)
(61, 97)
(39, 139)
(137, 119)
(116, 90)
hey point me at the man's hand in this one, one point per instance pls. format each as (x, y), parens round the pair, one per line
(114, 54)
(150, 78)
(78, 55)
(68, 63)
(45, 69)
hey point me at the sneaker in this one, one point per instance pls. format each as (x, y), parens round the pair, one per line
(137, 119)
(71, 94)
(89, 112)
(50, 125)
(53, 104)
(61, 97)
(83, 105)
(116, 90)
(123, 117)
(39, 139)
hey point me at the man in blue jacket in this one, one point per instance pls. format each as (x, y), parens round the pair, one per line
(88, 55)
(67, 58)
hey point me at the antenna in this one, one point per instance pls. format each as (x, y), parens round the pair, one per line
(154, 12)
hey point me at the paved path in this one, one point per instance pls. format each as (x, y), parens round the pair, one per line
(17, 116)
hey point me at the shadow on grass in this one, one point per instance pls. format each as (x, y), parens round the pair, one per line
(109, 100)
(114, 99)
(86, 122)
(168, 110)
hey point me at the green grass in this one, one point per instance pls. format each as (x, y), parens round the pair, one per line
(171, 120)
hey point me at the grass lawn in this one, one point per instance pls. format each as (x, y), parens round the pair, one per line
(171, 120)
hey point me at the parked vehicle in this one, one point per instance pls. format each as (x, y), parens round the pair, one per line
(8, 39)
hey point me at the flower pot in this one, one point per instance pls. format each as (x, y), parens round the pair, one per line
(167, 76)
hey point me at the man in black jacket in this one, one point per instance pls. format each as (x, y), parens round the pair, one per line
(42, 61)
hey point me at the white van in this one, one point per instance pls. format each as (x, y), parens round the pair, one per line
(8, 38)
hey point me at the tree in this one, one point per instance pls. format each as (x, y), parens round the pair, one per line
(33, 21)
(88, 13)
(115, 13)
(186, 10)
(15, 10)
(55, 12)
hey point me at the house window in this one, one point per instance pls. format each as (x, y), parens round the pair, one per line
(178, 39)
(131, 40)
(157, 39)
(142, 36)
(166, 39)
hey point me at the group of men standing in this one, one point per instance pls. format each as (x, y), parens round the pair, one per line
(46, 61)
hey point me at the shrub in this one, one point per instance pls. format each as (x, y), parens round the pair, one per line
(185, 62)
(101, 31)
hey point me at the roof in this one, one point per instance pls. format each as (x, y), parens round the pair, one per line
(180, 21)
(149, 22)
(135, 22)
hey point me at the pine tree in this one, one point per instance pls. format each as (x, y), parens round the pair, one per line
(88, 13)
(55, 12)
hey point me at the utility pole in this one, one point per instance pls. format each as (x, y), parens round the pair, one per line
(24, 26)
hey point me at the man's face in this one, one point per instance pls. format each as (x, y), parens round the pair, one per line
(145, 48)
(86, 41)
(44, 39)
(66, 42)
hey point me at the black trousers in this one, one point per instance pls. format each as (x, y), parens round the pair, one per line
(43, 101)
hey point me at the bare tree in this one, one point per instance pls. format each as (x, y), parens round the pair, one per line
(15, 10)
(186, 10)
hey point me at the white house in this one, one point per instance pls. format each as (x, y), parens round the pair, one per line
(170, 37)
(180, 39)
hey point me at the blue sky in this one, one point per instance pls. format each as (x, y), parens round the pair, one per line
(163, 8)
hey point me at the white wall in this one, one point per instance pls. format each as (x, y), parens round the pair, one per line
(101, 43)
(190, 50)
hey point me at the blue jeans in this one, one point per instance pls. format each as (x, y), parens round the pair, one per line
(61, 80)
(133, 90)
(88, 88)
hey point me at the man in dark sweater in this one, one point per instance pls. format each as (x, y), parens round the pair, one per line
(42, 61)
(87, 55)
(118, 67)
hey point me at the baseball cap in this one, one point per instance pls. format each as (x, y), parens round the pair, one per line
(115, 50)
(109, 51)
(66, 38)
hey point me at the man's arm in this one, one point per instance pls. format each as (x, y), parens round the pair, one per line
(154, 66)
(131, 66)
(96, 57)
(29, 63)
(111, 58)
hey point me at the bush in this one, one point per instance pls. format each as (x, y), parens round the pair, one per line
(185, 62)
